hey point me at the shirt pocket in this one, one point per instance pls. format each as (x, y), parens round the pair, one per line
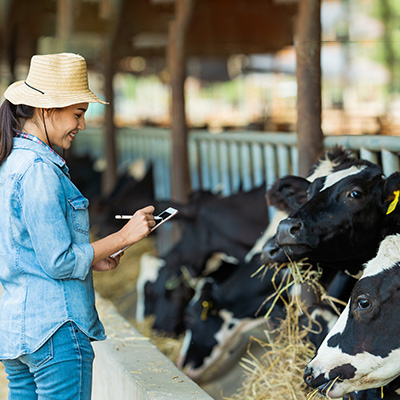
(79, 210)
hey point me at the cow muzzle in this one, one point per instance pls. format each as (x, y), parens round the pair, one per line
(272, 253)
(294, 237)
(323, 384)
(331, 384)
(289, 231)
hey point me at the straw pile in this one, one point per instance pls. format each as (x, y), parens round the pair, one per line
(278, 372)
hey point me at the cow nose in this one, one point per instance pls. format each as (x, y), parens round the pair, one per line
(288, 230)
(271, 252)
(308, 376)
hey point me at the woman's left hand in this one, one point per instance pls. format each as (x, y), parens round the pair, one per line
(107, 264)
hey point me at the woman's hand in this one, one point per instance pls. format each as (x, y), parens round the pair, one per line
(107, 264)
(139, 226)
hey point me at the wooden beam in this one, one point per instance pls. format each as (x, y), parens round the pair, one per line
(176, 61)
(308, 74)
(110, 175)
(64, 18)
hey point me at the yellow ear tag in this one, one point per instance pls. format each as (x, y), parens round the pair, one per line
(206, 307)
(393, 204)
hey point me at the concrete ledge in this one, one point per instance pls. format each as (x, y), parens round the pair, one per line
(129, 366)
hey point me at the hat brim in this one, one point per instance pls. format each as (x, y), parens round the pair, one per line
(20, 93)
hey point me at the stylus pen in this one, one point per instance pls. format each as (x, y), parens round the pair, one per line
(130, 216)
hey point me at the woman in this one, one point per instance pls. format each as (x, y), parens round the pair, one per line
(47, 312)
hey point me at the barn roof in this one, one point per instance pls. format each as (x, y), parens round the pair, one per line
(140, 27)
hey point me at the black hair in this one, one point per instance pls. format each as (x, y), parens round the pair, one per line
(11, 119)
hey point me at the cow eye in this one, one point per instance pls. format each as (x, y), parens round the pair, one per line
(355, 194)
(363, 303)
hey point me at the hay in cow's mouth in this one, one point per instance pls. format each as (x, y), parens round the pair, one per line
(326, 387)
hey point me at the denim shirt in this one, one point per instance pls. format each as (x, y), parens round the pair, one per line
(45, 254)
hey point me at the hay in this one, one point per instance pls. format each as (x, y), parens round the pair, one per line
(278, 372)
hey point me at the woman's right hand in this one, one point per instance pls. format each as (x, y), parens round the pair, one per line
(139, 226)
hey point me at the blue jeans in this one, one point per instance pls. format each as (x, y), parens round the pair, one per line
(60, 370)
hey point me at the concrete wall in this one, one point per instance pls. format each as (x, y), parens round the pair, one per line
(129, 366)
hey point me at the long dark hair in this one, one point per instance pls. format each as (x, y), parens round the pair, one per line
(11, 118)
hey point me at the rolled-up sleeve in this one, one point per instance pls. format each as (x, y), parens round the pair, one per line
(45, 213)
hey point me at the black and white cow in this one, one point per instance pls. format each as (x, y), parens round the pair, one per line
(220, 313)
(343, 221)
(362, 350)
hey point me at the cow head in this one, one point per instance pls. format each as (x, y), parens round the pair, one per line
(362, 350)
(344, 219)
(290, 193)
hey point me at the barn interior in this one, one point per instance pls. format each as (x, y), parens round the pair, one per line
(306, 68)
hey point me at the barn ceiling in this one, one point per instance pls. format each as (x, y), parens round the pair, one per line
(140, 27)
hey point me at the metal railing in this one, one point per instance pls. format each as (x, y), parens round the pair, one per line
(228, 162)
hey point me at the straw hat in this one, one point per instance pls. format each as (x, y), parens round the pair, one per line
(54, 81)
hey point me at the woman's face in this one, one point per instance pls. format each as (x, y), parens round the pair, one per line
(63, 124)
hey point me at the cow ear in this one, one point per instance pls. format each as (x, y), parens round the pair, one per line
(391, 193)
(288, 193)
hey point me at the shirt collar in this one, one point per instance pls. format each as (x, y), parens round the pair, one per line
(39, 146)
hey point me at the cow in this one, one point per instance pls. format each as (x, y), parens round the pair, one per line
(362, 351)
(343, 221)
(220, 313)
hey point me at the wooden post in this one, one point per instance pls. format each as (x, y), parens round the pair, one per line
(308, 73)
(64, 19)
(110, 175)
(176, 61)
(109, 178)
